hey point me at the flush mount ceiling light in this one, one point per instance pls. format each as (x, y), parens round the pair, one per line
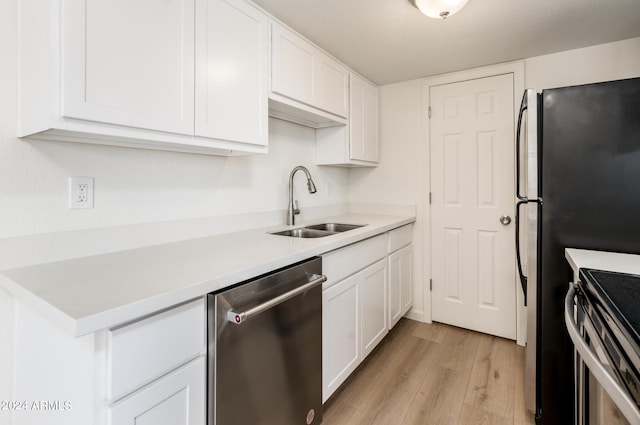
(439, 8)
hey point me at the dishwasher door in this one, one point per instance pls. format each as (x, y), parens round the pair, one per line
(265, 349)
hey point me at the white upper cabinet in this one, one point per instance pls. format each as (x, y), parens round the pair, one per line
(129, 62)
(232, 75)
(330, 85)
(292, 65)
(307, 86)
(357, 143)
(183, 75)
(363, 121)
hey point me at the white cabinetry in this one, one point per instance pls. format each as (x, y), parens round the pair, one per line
(152, 371)
(354, 314)
(368, 289)
(400, 273)
(357, 143)
(124, 73)
(175, 399)
(340, 333)
(129, 63)
(232, 75)
(373, 306)
(307, 86)
(156, 369)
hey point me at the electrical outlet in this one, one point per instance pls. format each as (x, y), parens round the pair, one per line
(80, 192)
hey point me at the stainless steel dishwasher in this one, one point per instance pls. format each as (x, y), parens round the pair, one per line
(265, 349)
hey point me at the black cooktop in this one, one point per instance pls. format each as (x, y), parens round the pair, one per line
(619, 294)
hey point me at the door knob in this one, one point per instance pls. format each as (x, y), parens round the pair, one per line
(505, 220)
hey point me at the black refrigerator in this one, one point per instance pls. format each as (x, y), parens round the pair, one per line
(578, 186)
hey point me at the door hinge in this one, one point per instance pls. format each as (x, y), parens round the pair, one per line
(429, 198)
(430, 284)
(429, 112)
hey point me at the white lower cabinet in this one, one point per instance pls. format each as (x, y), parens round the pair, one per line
(373, 306)
(368, 289)
(400, 283)
(354, 308)
(354, 321)
(400, 273)
(156, 369)
(340, 333)
(175, 399)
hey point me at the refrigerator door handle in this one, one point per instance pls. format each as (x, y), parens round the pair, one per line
(523, 108)
(523, 278)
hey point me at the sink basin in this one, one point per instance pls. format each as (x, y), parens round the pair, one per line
(304, 233)
(334, 227)
(317, 230)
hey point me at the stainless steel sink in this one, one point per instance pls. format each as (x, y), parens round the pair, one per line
(334, 227)
(303, 233)
(318, 230)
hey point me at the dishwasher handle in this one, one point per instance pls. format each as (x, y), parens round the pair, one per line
(238, 317)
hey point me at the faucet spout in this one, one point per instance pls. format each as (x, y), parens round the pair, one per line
(311, 186)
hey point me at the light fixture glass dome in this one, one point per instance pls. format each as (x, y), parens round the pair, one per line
(439, 8)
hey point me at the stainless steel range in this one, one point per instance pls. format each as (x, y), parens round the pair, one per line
(265, 349)
(603, 319)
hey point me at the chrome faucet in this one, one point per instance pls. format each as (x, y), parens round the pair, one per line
(293, 210)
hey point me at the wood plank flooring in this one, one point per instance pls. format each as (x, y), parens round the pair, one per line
(434, 374)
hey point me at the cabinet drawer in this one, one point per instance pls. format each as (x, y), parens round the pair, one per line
(343, 262)
(143, 351)
(400, 237)
(176, 399)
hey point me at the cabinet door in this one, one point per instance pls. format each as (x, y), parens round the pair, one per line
(305, 74)
(130, 62)
(400, 284)
(371, 129)
(292, 65)
(176, 399)
(406, 278)
(395, 301)
(232, 75)
(330, 85)
(363, 120)
(373, 305)
(340, 333)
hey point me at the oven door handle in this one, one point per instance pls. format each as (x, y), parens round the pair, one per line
(238, 317)
(619, 396)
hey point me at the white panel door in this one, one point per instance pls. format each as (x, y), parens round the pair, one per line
(472, 185)
(130, 62)
(340, 333)
(232, 75)
(373, 306)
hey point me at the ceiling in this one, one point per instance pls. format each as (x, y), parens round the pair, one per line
(389, 41)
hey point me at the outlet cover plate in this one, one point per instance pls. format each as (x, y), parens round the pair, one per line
(80, 192)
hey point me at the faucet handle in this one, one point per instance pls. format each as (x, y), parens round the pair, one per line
(296, 210)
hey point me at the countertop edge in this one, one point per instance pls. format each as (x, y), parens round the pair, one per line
(602, 260)
(134, 311)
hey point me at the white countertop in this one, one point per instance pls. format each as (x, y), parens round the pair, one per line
(88, 294)
(601, 260)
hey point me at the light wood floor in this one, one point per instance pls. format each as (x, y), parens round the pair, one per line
(434, 374)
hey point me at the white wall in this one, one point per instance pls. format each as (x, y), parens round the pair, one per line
(610, 61)
(139, 186)
(398, 178)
